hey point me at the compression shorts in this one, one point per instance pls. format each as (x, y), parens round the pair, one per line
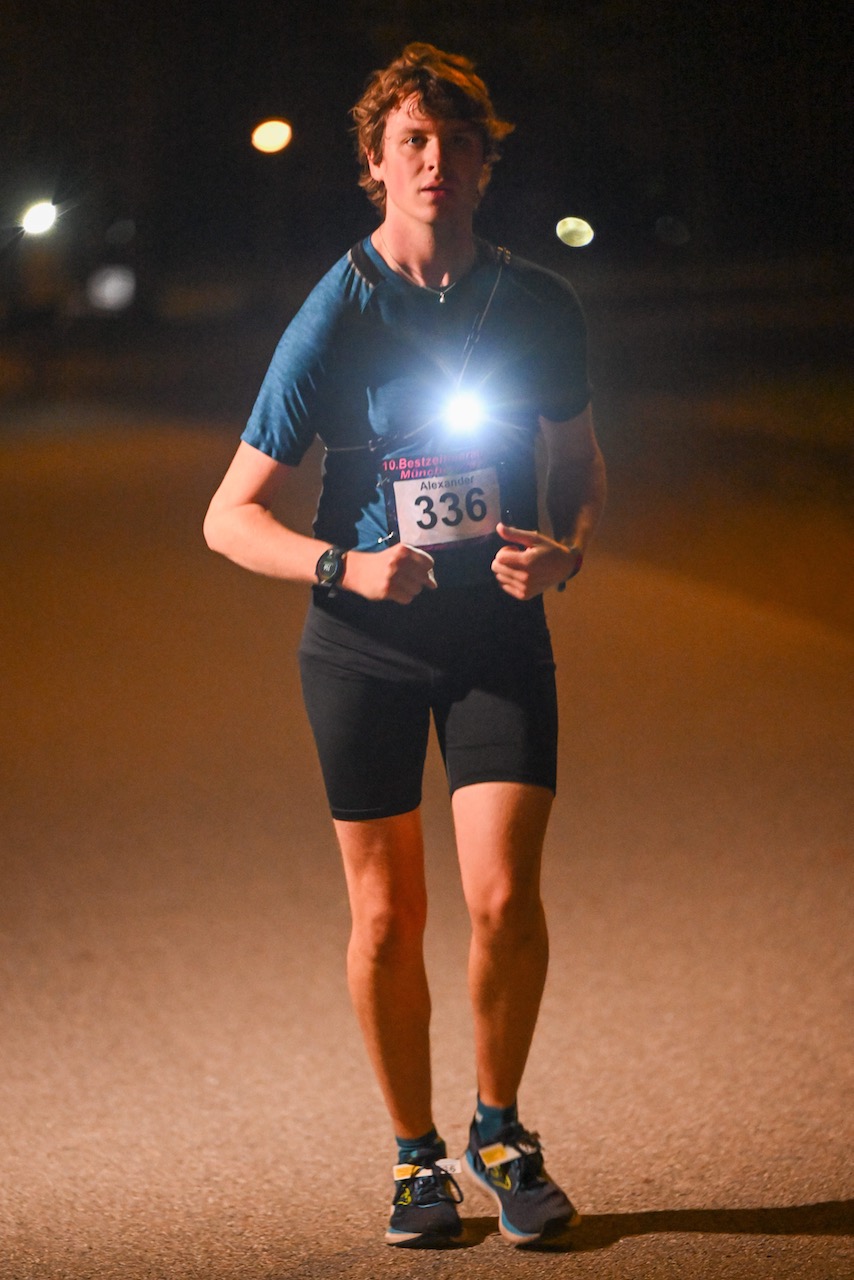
(373, 673)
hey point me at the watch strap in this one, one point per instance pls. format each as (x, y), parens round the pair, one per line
(576, 568)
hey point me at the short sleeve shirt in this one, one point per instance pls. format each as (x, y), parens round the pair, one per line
(369, 364)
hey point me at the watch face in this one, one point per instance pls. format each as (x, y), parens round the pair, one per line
(329, 566)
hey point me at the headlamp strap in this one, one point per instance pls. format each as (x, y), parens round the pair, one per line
(503, 256)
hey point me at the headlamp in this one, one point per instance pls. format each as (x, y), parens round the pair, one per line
(464, 413)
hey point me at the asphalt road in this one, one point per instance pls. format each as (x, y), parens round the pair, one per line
(183, 1093)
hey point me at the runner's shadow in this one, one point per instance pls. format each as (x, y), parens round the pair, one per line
(601, 1231)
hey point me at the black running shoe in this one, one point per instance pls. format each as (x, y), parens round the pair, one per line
(424, 1209)
(531, 1206)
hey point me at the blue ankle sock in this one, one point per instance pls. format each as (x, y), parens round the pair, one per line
(408, 1149)
(489, 1121)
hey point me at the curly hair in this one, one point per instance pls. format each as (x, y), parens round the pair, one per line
(444, 85)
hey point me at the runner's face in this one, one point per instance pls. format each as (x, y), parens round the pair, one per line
(433, 169)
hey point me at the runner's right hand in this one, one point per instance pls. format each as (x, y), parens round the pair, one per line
(398, 573)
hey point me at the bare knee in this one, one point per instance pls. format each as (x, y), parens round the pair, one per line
(385, 931)
(506, 913)
(384, 866)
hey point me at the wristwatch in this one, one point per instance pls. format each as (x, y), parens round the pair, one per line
(576, 568)
(330, 567)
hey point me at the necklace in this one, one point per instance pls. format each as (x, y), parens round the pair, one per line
(437, 293)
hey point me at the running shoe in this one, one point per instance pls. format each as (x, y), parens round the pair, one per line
(424, 1209)
(531, 1206)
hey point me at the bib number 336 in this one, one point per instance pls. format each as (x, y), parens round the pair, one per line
(445, 510)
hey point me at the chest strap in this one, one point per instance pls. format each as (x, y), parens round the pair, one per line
(367, 269)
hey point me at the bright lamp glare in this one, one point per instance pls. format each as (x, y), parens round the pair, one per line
(272, 136)
(464, 412)
(39, 218)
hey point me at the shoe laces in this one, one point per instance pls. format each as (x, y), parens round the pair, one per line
(528, 1165)
(440, 1184)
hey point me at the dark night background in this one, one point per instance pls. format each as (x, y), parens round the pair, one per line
(175, 1022)
(724, 119)
(706, 143)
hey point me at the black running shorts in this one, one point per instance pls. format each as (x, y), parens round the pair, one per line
(373, 673)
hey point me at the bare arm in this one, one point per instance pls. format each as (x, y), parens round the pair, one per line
(240, 525)
(575, 498)
(576, 484)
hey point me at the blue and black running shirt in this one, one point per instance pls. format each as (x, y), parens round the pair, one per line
(369, 365)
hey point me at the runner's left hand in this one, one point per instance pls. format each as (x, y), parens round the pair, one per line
(530, 563)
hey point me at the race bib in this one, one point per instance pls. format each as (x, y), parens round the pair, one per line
(442, 500)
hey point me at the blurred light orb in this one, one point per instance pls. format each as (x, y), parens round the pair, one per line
(39, 218)
(575, 232)
(271, 136)
(464, 412)
(111, 288)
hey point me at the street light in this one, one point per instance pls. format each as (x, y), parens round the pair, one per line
(39, 218)
(575, 232)
(271, 136)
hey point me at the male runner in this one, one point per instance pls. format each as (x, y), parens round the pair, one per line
(428, 362)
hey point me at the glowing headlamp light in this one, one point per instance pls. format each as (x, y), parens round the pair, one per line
(464, 412)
